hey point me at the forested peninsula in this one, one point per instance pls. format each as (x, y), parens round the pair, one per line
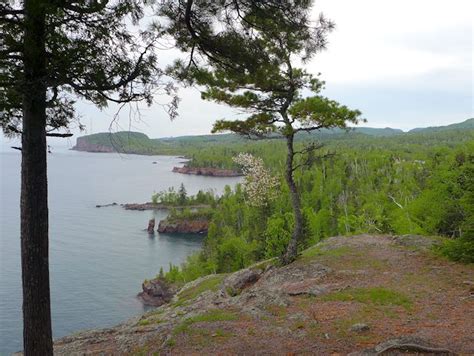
(138, 143)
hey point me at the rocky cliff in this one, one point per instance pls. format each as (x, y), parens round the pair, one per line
(359, 295)
(83, 144)
(203, 171)
(183, 226)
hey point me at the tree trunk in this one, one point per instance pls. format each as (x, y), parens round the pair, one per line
(37, 334)
(292, 248)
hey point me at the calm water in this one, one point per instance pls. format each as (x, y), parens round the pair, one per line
(98, 256)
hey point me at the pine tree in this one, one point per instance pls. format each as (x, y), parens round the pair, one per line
(53, 51)
(250, 50)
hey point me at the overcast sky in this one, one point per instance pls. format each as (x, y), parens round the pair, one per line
(403, 63)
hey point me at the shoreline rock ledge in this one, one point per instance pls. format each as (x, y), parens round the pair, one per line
(156, 292)
(207, 171)
(183, 226)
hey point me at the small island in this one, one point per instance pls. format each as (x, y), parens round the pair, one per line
(188, 214)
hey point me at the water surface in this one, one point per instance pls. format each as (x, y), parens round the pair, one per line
(98, 256)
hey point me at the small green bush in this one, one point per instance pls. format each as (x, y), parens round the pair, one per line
(459, 250)
(209, 317)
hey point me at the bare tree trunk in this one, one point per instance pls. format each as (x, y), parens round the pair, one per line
(37, 334)
(292, 248)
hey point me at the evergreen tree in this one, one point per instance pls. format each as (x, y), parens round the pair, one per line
(51, 52)
(182, 195)
(251, 55)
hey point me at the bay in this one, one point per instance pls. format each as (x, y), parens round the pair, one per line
(98, 256)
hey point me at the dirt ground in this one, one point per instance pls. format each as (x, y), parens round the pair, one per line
(344, 296)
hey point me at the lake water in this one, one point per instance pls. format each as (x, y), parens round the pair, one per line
(98, 256)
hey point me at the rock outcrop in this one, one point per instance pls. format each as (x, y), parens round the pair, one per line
(158, 206)
(156, 292)
(151, 226)
(237, 282)
(183, 226)
(206, 171)
(399, 298)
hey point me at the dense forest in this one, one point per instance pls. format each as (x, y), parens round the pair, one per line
(417, 183)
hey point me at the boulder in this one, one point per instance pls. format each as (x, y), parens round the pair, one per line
(359, 327)
(404, 345)
(238, 281)
(156, 292)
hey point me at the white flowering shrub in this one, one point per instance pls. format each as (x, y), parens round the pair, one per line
(259, 185)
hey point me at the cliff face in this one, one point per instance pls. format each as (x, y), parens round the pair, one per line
(82, 144)
(203, 171)
(183, 226)
(358, 295)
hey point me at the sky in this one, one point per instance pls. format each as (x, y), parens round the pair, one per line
(403, 63)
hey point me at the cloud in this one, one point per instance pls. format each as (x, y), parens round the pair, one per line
(377, 41)
(404, 63)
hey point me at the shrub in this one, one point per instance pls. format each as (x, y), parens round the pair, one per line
(460, 249)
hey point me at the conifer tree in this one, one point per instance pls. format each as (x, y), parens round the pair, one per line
(245, 54)
(51, 52)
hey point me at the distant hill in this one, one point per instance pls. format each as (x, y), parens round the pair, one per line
(139, 143)
(378, 132)
(124, 142)
(468, 124)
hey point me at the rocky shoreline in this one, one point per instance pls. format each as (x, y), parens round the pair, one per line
(183, 226)
(83, 145)
(157, 292)
(207, 171)
(152, 206)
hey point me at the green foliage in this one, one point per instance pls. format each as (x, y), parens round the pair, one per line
(86, 50)
(277, 234)
(172, 198)
(460, 249)
(211, 283)
(217, 150)
(195, 266)
(182, 195)
(190, 214)
(234, 253)
(144, 322)
(415, 184)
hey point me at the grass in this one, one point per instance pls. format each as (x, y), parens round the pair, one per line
(152, 319)
(209, 317)
(262, 265)
(209, 284)
(144, 322)
(377, 296)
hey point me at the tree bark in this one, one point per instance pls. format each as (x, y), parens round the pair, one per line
(37, 334)
(292, 248)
